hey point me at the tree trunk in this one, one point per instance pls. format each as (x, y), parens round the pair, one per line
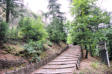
(1, 44)
(90, 51)
(7, 10)
(86, 56)
(82, 54)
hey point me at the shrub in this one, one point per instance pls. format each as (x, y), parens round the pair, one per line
(32, 29)
(13, 33)
(3, 31)
(33, 49)
(49, 43)
(56, 33)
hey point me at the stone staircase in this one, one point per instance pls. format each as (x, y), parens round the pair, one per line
(66, 63)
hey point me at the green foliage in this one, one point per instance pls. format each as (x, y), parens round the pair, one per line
(106, 35)
(49, 43)
(33, 49)
(84, 29)
(3, 31)
(31, 29)
(11, 8)
(56, 27)
(13, 34)
(54, 9)
(55, 33)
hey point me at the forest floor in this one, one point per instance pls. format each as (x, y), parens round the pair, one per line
(92, 65)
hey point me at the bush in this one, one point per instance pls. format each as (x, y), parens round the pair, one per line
(56, 33)
(31, 29)
(49, 43)
(33, 49)
(3, 31)
(13, 33)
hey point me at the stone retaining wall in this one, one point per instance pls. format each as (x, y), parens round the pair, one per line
(28, 69)
(4, 64)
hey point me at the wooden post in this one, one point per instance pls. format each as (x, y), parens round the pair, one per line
(104, 52)
(107, 56)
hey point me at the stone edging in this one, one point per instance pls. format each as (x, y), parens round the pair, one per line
(28, 69)
(4, 64)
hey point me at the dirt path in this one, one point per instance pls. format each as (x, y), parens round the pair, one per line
(63, 64)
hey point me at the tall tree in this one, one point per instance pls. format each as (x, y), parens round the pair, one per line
(11, 8)
(56, 26)
(85, 25)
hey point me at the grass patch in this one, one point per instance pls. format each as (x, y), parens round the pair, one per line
(95, 65)
(13, 49)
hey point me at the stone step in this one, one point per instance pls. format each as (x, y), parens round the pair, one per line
(67, 57)
(55, 71)
(59, 66)
(64, 60)
(62, 63)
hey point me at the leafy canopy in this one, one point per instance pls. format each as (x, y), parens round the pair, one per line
(33, 29)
